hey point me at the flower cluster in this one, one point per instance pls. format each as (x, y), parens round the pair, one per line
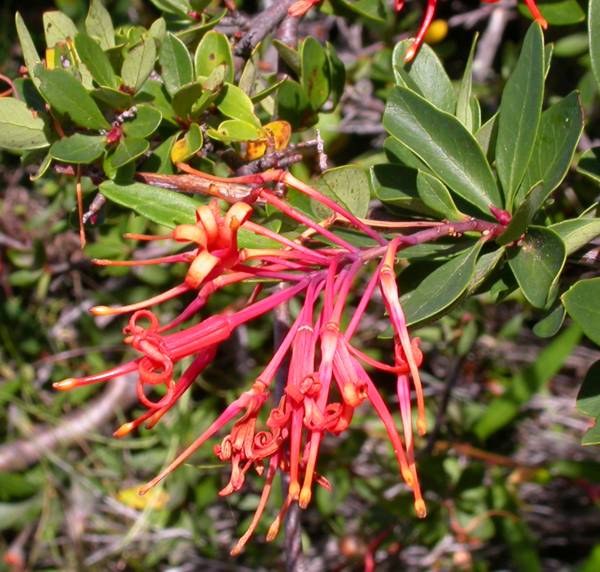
(327, 377)
(301, 7)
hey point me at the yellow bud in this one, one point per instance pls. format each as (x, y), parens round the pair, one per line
(437, 32)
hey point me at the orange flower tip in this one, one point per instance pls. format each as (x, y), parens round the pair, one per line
(408, 478)
(273, 530)
(420, 508)
(305, 496)
(66, 384)
(102, 311)
(124, 429)
(294, 490)
(100, 261)
(411, 53)
(144, 489)
(236, 550)
(421, 427)
(542, 22)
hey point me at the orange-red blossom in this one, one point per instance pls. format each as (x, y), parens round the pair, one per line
(327, 377)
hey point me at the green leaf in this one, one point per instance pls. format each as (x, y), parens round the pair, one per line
(572, 45)
(464, 111)
(314, 74)
(538, 263)
(214, 50)
(594, 36)
(501, 411)
(30, 53)
(176, 63)
(582, 302)
(293, 105)
(348, 186)
(58, 27)
(177, 7)
(235, 130)
(588, 398)
(20, 129)
(425, 75)
(186, 147)
(398, 152)
(78, 148)
(96, 61)
(17, 515)
(558, 12)
(114, 98)
(524, 214)
(185, 99)
(99, 26)
(337, 75)
(436, 196)
(577, 232)
(520, 111)
(289, 55)
(487, 136)
(396, 185)
(161, 206)
(551, 323)
(442, 288)
(233, 102)
(67, 96)
(145, 123)
(442, 142)
(558, 135)
(138, 64)
(128, 150)
(592, 436)
(589, 164)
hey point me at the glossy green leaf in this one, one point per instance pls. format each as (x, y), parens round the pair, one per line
(348, 186)
(588, 398)
(524, 214)
(396, 186)
(129, 149)
(577, 232)
(572, 45)
(465, 98)
(551, 323)
(442, 288)
(538, 263)
(185, 98)
(235, 130)
(30, 53)
(177, 7)
(188, 145)
(99, 25)
(594, 36)
(520, 112)
(487, 136)
(436, 196)
(138, 64)
(589, 164)
(398, 152)
(67, 96)
(591, 436)
(234, 103)
(78, 148)
(558, 12)
(558, 135)
(58, 27)
(337, 75)
(314, 74)
(289, 55)
(486, 264)
(425, 75)
(145, 123)
(293, 105)
(161, 206)
(175, 63)
(20, 129)
(96, 61)
(114, 98)
(582, 302)
(442, 142)
(214, 50)
(369, 9)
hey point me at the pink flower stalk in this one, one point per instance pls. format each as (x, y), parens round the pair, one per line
(326, 379)
(301, 7)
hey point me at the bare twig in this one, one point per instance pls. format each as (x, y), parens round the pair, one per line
(262, 25)
(24, 452)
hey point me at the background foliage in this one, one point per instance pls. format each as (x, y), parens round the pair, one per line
(507, 482)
